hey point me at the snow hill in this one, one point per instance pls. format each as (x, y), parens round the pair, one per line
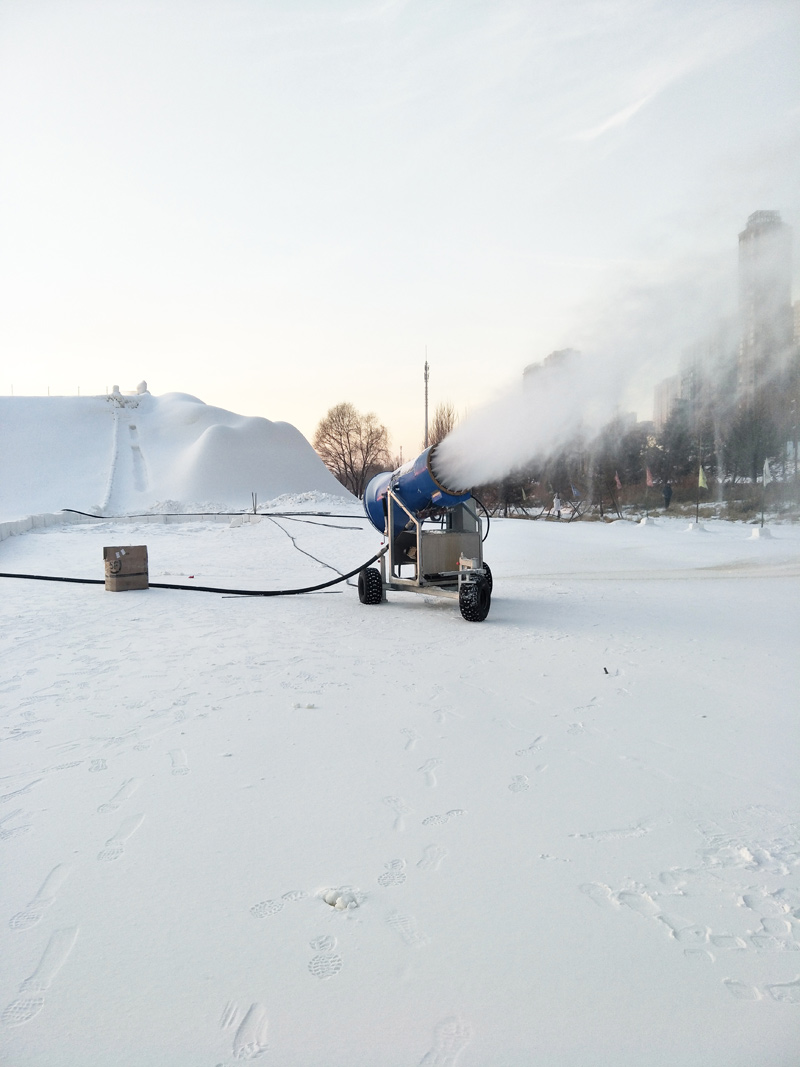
(121, 454)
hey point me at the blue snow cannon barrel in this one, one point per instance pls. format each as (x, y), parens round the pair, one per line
(417, 484)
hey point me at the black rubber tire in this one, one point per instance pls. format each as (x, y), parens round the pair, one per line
(475, 599)
(488, 574)
(370, 586)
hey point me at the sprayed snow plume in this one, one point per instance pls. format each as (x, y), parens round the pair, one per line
(566, 396)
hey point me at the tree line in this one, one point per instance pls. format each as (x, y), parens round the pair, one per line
(626, 461)
(630, 463)
(354, 447)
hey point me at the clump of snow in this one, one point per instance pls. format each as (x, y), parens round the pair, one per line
(170, 507)
(345, 898)
(302, 501)
(190, 507)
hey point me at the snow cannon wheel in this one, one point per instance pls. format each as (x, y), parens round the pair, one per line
(370, 586)
(475, 599)
(487, 572)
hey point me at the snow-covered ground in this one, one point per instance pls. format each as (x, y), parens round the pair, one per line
(565, 836)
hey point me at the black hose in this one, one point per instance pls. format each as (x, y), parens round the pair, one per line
(218, 514)
(486, 513)
(212, 589)
(49, 578)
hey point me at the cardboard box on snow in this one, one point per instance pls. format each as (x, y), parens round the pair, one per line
(126, 568)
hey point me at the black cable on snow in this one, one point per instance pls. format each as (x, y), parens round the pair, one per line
(88, 514)
(50, 578)
(299, 549)
(213, 589)
(295, 516)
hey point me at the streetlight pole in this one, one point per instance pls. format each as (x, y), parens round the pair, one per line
(427, 375)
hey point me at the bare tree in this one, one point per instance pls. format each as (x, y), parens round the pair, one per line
(444, 419)
(352, 446)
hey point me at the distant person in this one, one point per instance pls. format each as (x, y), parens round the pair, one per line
(557, 505)
(667, 494)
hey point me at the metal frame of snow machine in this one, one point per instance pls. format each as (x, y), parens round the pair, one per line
(446, 561)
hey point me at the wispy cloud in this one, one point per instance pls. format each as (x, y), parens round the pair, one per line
(619, 118)
(652, 51)
(386, 9)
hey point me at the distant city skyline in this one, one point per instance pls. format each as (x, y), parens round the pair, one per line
(279, 207)
(765, 299)
(758, 344)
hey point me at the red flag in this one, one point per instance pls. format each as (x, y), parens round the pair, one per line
(649, 477)
(616, 479)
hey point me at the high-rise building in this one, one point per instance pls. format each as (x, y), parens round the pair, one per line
(705, 371)
(562, 358)
(665, 396)
(765, 303)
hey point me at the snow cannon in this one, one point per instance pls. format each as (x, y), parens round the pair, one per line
(435, 538)
(418, 484)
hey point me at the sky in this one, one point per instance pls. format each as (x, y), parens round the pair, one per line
(278, 206)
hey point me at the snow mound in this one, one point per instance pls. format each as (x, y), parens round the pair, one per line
(306, 501)
(136, 453)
